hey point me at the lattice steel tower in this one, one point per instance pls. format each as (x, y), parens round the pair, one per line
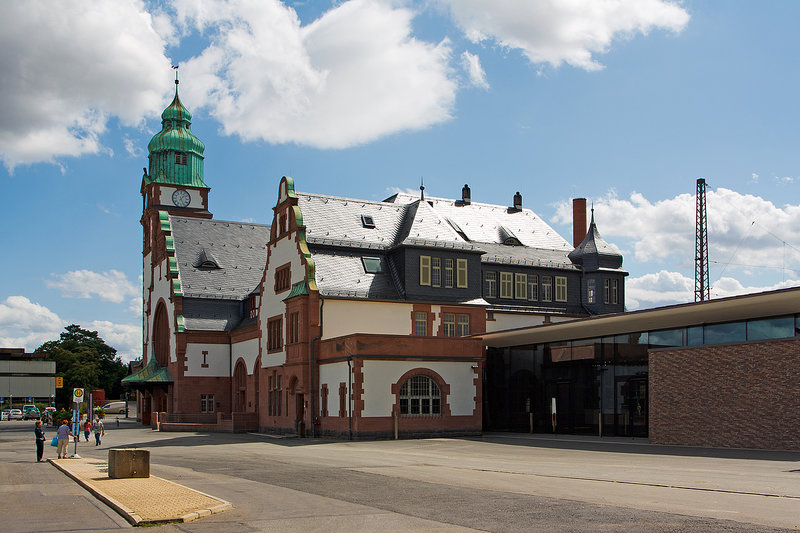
(701, 285)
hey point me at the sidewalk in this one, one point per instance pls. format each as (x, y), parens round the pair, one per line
(141, 500)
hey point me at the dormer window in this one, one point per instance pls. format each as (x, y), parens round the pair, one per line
(367, 221)
(372, 265)
(207, 260)
(180, 158)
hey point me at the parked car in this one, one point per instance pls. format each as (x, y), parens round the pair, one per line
(15, 414)
(114, 408)
(30, 412)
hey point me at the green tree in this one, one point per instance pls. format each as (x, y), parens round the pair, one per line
(85, 361)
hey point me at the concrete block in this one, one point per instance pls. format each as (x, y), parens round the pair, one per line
(128, 462)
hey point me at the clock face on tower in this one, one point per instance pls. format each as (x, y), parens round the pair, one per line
(181, 198)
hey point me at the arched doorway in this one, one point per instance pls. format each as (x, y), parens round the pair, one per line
(240, 388)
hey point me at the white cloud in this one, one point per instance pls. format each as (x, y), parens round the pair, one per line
(558, 31)
(68, 66)
(667, 288)
(25, 324)
(472, 64)
(125, 338)
(352, 76)
(743, 229)
(111, 286)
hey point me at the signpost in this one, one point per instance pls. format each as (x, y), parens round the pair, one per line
(77, 397)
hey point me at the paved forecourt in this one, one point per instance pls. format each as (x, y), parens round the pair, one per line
(141, 501)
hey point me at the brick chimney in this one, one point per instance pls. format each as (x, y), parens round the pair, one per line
(518, 201)
(579, 228)
(466, 197)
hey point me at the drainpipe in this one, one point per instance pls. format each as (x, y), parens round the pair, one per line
(230, 376)
(349, 397)
(311, 363)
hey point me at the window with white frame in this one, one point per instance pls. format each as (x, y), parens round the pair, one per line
(506, 285)
(461, 273)
(463, 325)
(420, 323)
(561, 289)
(206, 403)
(420, 395)
(449, 324)
(533, 287)
(436, 271)
(547, 288)
(590, 289)
(490, 285)
(520, 286)
(615, 291)
(448, 273)
(606, 291)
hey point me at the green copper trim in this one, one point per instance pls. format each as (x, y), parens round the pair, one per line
(170, 244)
(298, 289)
(176, 287)
(152, 373)
(181, 324)
(290, 187)
(173, 265)
(176, 155)
(163, 217)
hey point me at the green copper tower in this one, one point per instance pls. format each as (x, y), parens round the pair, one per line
(176, 155)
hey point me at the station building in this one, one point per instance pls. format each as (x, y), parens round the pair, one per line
(343, 316)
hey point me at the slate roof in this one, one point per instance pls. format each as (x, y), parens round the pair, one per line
(341, 274)
(503, 254)
(492, 223)
(238, 248)
(594, 252)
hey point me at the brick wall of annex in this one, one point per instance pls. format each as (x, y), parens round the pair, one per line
(736, 395)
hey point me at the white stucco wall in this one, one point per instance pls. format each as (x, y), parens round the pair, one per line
(217, 360)
(284, 251)
(331, 375)
(379, 376)
(248, 352)
(345, 317)
(162, 288)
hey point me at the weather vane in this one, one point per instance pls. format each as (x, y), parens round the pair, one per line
(175, 67)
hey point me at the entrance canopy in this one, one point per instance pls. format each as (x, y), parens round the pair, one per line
(152, 374)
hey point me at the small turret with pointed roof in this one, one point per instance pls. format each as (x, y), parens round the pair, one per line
(176, 155)
(595, 253)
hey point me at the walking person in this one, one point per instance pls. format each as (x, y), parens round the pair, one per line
(99, 430)
(39, 432)
(87, 428)
(63, 434)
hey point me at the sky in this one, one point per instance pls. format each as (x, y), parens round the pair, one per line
(623, 102)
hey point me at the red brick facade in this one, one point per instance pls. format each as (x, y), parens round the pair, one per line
(744, 395)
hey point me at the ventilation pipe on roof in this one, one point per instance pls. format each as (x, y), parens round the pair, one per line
(578, 221)
(518, 201)
(466, 196)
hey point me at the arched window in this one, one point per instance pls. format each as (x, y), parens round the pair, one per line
(161, 335)
(420, 395)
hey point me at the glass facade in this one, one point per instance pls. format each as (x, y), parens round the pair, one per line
(597, 379)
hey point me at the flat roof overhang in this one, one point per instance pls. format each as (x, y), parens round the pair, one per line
(764, 304)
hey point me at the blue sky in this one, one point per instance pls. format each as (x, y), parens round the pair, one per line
(625, 103)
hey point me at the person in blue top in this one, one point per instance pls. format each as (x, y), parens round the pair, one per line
(63, 433)
(39, 432)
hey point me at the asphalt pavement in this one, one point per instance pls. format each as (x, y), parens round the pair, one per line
(498, 482)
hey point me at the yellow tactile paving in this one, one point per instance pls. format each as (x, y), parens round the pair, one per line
(141, 500)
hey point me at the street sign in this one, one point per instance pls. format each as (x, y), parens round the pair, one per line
(59, 382)
(77, 395)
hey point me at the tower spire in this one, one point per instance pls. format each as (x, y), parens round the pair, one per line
(175, 68)
(421, 189)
